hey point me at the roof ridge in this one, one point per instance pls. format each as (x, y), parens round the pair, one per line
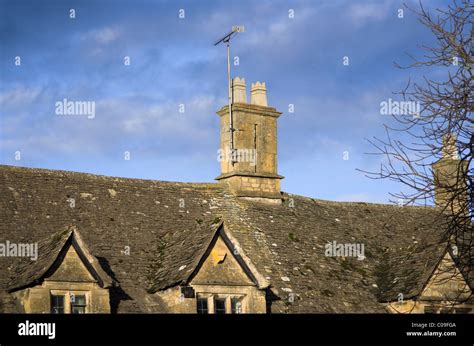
(102, 176)
(370, 204)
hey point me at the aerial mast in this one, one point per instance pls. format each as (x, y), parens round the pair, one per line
(226, 40)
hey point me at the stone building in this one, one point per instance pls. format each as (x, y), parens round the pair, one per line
(116, 245)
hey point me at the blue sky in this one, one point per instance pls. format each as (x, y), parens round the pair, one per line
(173, 61)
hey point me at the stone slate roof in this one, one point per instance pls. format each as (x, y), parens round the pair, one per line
(179, 256)
(167, 226)
(26, 271)
(299, 270)
(407, 272)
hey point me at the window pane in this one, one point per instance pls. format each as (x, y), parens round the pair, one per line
(219, 306)
(57, 304)
(236, 304)
(78, 310)
(80, 300)
(202, 306)
(78, 304)
(462, 310)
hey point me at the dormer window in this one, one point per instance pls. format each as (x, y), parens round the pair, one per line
(73, 283)
(57, 304)
(68, 302)
(220, 304)
(78, 304)
(236, 305)
(223, 282)
(202, 306)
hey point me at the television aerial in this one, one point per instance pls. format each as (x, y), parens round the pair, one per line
(226, 39)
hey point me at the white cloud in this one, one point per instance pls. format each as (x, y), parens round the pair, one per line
(162, 119)
(280, 30)
(102, 36)
(96, 40)
(361, 13)
(19, 96)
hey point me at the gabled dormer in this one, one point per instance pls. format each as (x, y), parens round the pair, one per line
(220, 280)
(65, 278)
(445, 290)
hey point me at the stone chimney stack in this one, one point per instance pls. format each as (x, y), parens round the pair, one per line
(449, 177)
(250, 171)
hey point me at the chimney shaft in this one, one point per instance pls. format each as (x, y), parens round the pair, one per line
(253, 174)
(239, 90)
(450, 178)
(258, 94)
(449, 147)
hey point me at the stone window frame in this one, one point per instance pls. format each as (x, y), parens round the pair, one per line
(211, 296)
(67, 298)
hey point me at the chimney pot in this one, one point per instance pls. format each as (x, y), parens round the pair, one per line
(258, 94)
(239, 90)
(449, 146)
